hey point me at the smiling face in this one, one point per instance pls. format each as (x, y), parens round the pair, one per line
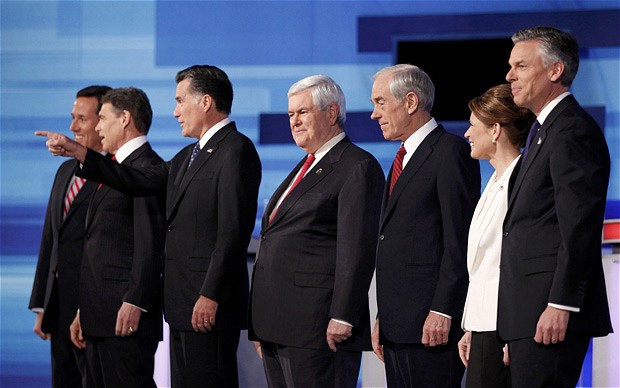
(189, 110)
(111, 128)
(480, 137)
(83, 123)
(311, 127)
(393, 115)
(533, 84)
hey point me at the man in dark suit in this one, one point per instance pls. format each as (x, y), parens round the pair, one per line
(55, 290)
(309, 300)
(211, 191)
(428, 203)
(552, 296)
(119, 320)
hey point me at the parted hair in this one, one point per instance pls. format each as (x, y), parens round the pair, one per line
(496, 105)
(211, 80)
(134, 101)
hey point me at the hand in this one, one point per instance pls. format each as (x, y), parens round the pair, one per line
(37, 327)
(551, 326)
(203, 316)
(60, 145)
(127, 320)
(464, 347)
(337, 332)
(76, 332)
(436, 329)
(376, 345)
(506, 355)
(259, 349)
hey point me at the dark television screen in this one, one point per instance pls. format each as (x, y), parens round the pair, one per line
(460, 70)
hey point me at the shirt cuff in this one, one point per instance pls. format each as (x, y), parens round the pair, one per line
(138, 307)
(343, 322)
(37, 309)
(442, 314)
(566, 308)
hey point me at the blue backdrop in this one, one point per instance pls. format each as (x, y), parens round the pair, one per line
(50, 49)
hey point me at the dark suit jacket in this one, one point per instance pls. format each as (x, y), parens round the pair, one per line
(122, 257)
(316, 258)
(60, 253)
(211, 212)
(422, 250)
(551, 250)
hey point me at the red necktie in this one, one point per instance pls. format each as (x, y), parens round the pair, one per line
(300, 176)
(397, 166)
(72, 192)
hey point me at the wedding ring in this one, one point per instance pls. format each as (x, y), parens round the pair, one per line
(130, 330)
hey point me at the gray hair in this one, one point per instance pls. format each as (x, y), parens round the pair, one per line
(555, 45)
(409, 78)
(325, 92)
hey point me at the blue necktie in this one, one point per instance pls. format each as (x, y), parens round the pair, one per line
(533, 131)
(195, 152)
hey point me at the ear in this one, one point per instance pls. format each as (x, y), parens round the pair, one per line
(496, 131)
(555, 71)
(412, 101)
(206, 102)
(332, 114)
(125, 118)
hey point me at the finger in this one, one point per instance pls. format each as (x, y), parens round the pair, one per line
(425, 339)
(42, 133)
(332, 344)
(379, 352)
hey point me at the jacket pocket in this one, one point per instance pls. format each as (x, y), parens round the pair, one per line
(538, 264)
(314, 279)
(199, 264)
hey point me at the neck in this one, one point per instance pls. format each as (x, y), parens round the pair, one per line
(502, 158)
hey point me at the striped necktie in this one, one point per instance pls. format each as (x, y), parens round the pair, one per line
(397, 166)
(72, 192)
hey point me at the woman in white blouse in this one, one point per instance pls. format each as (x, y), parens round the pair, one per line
(498, 129)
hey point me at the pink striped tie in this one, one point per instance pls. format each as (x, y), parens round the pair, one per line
(300, 176)
(74, 189)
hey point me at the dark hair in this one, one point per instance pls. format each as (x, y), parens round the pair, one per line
(97, 91)
(205, 79)
(496, 105)
(555, 45)
(134, 101)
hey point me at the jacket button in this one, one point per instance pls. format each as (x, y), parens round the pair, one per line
(382, 237)
(505, 234)
(169, 228)
(263, 237)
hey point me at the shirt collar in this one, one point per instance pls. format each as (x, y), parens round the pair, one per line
(325, 148)
(212, 131)
(126, 149)
(549, 107)
(413, 142)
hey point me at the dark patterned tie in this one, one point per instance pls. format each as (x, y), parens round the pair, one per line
(530, 137)
(397, 166)
(195, 152)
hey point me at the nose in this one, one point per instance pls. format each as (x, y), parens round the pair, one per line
(374, 115)
(294, 120)
(176, 113)
(510, 75)
(73, 127)
(466, 135)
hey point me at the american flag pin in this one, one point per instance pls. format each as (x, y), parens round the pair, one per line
(539, 141)
(320, 170)
(211, 149)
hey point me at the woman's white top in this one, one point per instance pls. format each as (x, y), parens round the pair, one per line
(484, 248)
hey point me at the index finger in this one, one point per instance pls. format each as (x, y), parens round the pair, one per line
(44, 133)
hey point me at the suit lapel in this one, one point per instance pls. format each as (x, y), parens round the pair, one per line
(537, 144)
(183, 179)
(419, 157)
(321, 170)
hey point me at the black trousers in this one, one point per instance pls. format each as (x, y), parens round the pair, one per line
(122, 361)
(486, 366)
(533, 365)
(204, 359)
(415, 365)
(287, 366)
(69, 366)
